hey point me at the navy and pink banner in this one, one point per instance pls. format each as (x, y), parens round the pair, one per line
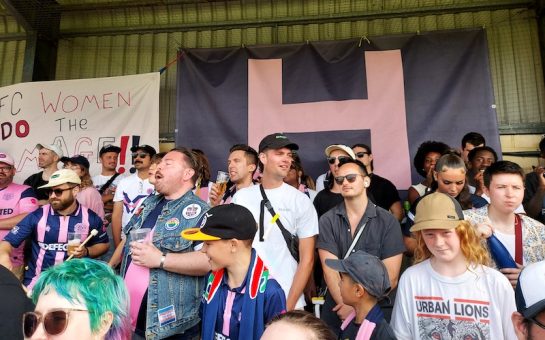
(391, 93)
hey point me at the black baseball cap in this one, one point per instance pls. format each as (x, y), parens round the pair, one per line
(277, 141)
(77, 159)
(146, 148)
(109, 148)
(224, 222)
(365, 269)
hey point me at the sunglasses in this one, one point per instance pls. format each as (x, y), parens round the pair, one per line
(351, 178)
(5, 169)
(139, 154)
(362, 154)
(332, 160)
(57, 192)
(55, 321)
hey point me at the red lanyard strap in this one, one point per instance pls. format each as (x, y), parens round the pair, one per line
(518, 239)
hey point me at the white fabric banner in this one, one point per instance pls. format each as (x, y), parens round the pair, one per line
(79, 116)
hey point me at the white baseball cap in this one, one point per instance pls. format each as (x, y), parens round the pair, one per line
(530, 291)
(51, 147)
(341, 147)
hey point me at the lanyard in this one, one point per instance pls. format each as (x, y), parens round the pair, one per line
(518, 239)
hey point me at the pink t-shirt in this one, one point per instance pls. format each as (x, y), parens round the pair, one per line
(137, 282)
(16, 199)
(90, 198)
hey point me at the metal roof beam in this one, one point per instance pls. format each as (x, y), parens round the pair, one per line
(21, 17)
(124, 5)
(304, 20)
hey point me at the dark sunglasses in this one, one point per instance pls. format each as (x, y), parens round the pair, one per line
(331, 160)
(57, 192)
(361, 154)
(55, 321)
(139, 154)
(351, 178)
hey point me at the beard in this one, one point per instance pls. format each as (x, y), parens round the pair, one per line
(61, 204)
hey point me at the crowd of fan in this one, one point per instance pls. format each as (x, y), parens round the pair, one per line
(167, 252)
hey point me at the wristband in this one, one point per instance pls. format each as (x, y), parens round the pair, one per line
(86, 251)
(163, 258)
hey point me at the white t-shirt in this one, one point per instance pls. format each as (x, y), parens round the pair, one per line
(100, 180)
(298, 216)
(320, 182)
(132, 191)
(475, 305)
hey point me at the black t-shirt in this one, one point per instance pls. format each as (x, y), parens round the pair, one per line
(14, 304)
(382, 331)
(382, 192)
(325, 200)
(36, 181)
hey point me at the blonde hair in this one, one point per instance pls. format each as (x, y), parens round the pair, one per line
(470, 245)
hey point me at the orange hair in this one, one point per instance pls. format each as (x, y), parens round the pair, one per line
(470, 245)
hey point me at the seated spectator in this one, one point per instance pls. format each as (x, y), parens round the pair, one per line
(88, 195)
(479, 159)
(424, 162)
(521, 235)
(298, 179)
(450, 292)
(529, 319)
(449, 178)
(470, 141)
(14, 304)
(297, 325)
(364, 280)
(331, 195)
(534, 194)
(381, 191)
(240, 297)
(79, 299)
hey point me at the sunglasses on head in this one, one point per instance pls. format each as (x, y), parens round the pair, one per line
(139, 154)
(351, 178)
(361, 154)
(331, 160)
(55, 321)
(56, 192)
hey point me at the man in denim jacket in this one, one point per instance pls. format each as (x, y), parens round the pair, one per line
(164, 273)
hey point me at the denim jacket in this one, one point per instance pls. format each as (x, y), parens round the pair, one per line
(169, 290)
